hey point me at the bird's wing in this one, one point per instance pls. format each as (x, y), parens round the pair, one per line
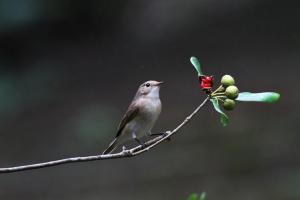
(132, 111)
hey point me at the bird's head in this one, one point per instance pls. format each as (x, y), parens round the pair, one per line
(150, 88)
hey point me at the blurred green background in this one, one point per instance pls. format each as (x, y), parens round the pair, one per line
(69, 69)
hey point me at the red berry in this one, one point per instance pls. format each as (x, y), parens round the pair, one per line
(206, 82)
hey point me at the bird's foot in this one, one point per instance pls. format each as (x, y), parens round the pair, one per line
(143, 145)
(162, 134)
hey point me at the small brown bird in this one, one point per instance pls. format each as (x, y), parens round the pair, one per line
(141, 115)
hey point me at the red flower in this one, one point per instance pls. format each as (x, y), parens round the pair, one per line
(206, 82)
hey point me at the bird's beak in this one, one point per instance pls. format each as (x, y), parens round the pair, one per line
(159, 83)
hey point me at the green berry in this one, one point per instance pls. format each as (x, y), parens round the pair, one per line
(229, 104)
(232, 92)
(227, 80)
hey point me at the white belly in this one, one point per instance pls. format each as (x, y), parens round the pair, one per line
(144, 121)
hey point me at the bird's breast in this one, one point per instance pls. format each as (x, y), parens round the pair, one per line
(151, 108)
(149, 111)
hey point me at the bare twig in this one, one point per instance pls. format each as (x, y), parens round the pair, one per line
(125, 153)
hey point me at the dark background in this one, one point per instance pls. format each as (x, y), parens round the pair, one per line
(69, 69)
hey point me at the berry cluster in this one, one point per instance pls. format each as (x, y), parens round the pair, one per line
(227, 92)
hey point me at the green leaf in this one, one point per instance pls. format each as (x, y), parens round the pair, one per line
(202, 196)
(267, 97)
(193, 197)
(223, 118)
(197, 65)
(197, 197)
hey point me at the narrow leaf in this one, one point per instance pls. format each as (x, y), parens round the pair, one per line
(223, 117)
(202, 196)
(197, 65)
(267, 97)
(193, 197)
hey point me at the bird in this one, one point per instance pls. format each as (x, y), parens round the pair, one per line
(140, 116)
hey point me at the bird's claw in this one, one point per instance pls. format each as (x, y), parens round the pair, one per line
(165, 134)
(162, 134)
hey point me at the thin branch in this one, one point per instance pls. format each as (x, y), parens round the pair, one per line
(123, 154)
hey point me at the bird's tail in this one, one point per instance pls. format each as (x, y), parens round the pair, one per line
(112, 146)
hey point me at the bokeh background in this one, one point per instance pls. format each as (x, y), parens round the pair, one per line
(69, 69)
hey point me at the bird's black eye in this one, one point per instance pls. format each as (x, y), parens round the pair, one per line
(147, 84)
